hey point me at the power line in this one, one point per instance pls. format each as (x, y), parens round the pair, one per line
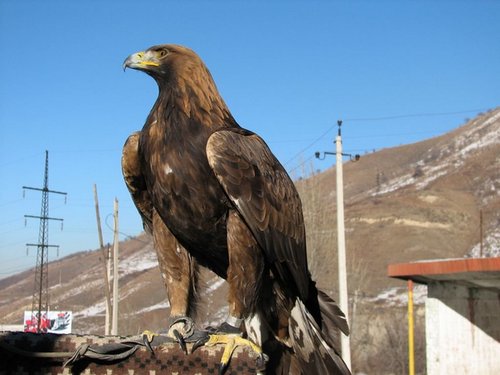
(381, 118)
(301, 164)
(126, 235)
(423, 114)
(310, 145)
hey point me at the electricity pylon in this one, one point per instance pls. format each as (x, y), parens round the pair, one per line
(40, 303)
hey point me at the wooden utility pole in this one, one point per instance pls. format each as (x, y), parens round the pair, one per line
(105, 255)
(114, 326)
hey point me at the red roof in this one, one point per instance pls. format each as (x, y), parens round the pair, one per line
(482, 272)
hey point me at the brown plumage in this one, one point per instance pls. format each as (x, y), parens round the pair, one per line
(213, 194)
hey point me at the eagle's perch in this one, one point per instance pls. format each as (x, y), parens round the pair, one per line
(213, 194)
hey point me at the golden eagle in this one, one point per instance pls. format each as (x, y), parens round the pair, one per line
(213, 194)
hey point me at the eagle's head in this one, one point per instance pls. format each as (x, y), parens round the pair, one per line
(184, 80)
(165, 61)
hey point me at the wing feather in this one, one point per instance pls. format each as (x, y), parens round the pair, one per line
(131, 170)
(265, 196)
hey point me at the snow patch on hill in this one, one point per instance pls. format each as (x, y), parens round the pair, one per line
(143, 260)
(491, 246)
(81, 288)
(158, 306)
(94, 310)
(441, 160)
(398, 296)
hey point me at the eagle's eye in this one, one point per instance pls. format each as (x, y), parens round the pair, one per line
(163, 53)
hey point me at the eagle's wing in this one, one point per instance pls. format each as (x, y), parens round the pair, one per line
(264, 195)
(131, 169)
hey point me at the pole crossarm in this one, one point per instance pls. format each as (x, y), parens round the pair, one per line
(43, 217)
(41, 245)
(351, 156)
(45, 190)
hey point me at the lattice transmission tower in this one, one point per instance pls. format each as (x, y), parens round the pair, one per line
(40, 303)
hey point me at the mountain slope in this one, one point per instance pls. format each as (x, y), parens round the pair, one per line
(407, 203)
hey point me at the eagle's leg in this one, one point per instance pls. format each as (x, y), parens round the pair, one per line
(180, 273)
(244, 277)
(245, 272)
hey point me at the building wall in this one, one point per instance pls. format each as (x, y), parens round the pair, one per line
(462, 330)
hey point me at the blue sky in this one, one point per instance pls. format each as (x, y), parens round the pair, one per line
(287, 69)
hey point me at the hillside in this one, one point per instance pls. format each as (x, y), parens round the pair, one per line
(418, 201)
(75, 284)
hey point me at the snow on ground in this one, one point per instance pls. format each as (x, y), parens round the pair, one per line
(480, 135)
(94, 310)
(431, 174)
(473, 140)
(491, 246)
(398, 296)
(81, 288)
(158, 306)
(140, 261)
(130, 289)
(216, 285)
(394, 184)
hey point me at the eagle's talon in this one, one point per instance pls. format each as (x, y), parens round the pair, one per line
(222, 368)
(180, 340)
(200, 342)
(147, 338)
(181, 328)
(188, 328)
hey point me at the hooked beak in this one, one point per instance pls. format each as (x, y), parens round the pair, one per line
(141, 61)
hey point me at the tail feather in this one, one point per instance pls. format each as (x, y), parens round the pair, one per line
(331, 314)
(313, 350)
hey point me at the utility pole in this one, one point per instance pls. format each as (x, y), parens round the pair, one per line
(114, 326)
(342, 269)
(40, 302)
(343, 297)
(105, 255)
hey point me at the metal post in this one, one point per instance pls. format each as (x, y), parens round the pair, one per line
(343, 297)
(411, 352)
(40, 302)
(114, 325)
